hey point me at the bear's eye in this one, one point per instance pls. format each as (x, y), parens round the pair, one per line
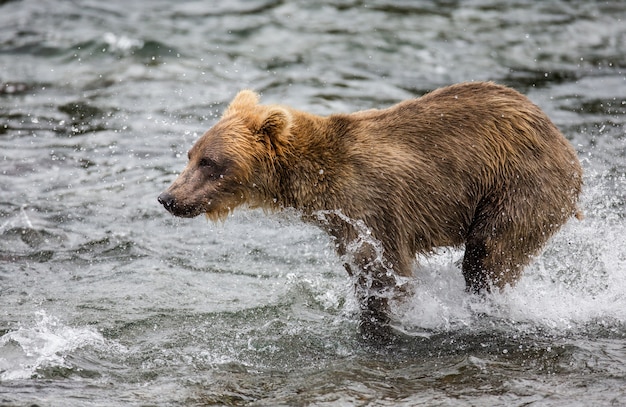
(206, 162)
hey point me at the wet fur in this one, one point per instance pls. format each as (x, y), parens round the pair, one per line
(474, 164)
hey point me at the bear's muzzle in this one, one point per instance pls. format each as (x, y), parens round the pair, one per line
(168, 201)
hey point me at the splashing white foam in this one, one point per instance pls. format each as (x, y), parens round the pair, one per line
(121, 43)
(46, 344)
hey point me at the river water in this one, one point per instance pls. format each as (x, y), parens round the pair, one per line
(107, 300)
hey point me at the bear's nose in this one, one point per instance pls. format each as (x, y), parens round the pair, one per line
(167, 200)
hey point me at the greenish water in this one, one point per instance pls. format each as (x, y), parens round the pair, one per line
(107, 300)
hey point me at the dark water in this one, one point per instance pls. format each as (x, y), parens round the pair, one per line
(107, 300)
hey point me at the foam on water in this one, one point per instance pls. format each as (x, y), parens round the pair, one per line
(45, 344)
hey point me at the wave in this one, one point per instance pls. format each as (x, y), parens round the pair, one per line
(29, 351)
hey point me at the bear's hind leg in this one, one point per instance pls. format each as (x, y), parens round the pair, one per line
(494, 262)
(474, 272)
(503, 239)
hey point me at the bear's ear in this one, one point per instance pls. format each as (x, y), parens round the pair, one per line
(275, 122)
(274, 128)
(244, 101)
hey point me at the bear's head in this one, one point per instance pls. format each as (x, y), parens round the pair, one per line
(232, 163)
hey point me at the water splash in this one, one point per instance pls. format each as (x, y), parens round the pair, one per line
(366, 242)
(21, 220)
(27, 350)
(121, 43)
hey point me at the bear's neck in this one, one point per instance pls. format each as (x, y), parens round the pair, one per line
(311, 173)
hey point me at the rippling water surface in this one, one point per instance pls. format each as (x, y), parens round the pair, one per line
(107, 300)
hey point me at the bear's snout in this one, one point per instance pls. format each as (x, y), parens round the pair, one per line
(167, 200)
(177, 207)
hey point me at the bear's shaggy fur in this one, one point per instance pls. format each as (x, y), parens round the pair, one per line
(474, 164)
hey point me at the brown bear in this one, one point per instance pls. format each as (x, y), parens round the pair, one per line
(474, 164)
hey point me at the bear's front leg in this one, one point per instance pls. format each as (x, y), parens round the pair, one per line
(373, 269)
(375, 321)
(375, 286)
(373, 303)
